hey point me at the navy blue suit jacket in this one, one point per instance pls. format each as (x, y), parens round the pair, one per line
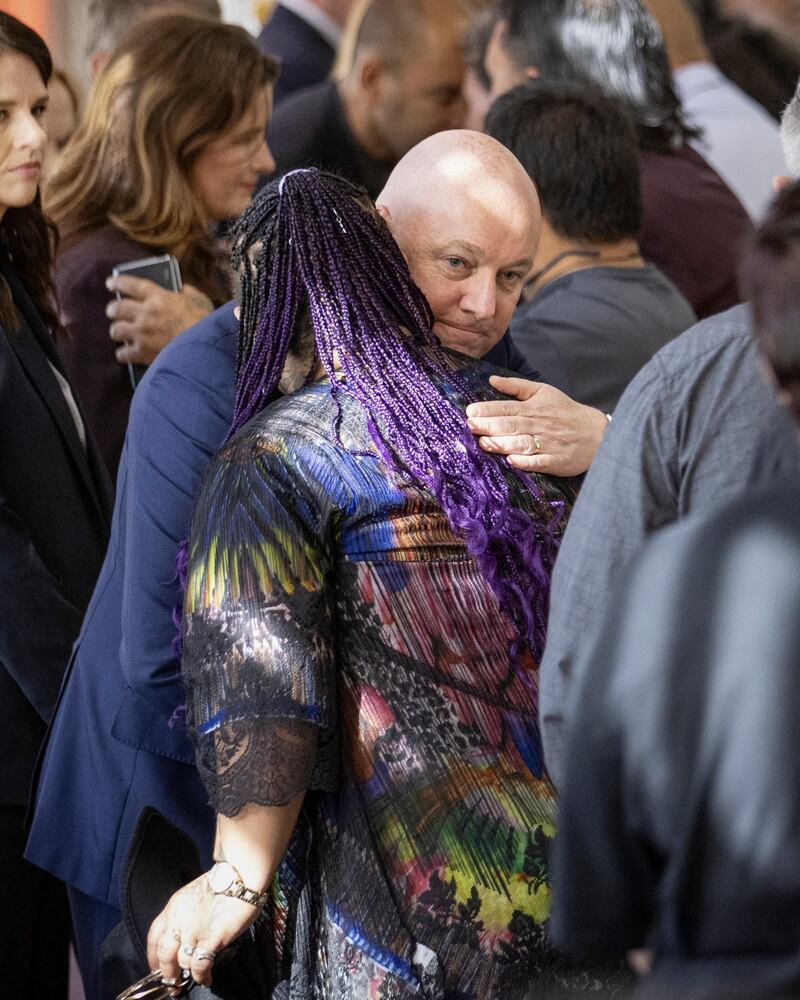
(306, 57)
(118, 743)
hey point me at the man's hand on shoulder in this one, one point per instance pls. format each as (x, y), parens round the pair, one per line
(540, 428)
(148, 317)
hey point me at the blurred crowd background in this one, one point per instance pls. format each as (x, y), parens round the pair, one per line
(62, 23)
(655, 161)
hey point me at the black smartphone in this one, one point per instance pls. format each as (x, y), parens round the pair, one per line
(164, 271)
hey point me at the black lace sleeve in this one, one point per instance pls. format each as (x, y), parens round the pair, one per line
(258, 655)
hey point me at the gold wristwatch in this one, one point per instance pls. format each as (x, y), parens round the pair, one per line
(225, 880)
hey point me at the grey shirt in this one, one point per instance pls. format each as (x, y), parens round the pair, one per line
(592, 330)
(683, 439)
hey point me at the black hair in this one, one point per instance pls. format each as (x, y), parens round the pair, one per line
(771, 277)
(611, 45)
(580, 150)
(476, 42)
(27, 239)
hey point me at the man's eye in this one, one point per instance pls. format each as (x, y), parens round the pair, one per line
(455, 262)
(512, 277)
(39, 110)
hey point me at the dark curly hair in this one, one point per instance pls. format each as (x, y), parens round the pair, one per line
(27, 238)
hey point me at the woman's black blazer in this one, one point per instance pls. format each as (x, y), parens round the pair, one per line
(55, 510)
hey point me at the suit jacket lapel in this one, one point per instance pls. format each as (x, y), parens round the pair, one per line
(33, 347)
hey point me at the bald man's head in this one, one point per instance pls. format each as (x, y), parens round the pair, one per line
(406, 76)
(466, 216)
(398, 32)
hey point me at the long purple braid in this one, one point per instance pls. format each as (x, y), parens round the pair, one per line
(324, 249)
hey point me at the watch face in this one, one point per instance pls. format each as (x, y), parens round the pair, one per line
(222, 876)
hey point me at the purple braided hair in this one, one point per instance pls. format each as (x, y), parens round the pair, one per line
(326, 253)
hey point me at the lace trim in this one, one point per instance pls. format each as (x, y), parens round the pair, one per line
(264, 762)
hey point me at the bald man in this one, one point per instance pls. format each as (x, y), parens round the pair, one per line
(116, 745)
(404, 85)
(466, 254)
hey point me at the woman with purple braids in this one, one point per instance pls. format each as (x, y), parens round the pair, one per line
(365, 610)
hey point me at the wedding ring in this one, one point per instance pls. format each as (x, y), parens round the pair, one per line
(201, 955)
(537, 444)
(187, 950)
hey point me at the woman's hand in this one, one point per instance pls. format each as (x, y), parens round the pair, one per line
(194, 927)
(197, 923)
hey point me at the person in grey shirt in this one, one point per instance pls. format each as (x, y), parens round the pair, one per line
(594, 311)
(679, 823)
(683, 439)
(687, 435)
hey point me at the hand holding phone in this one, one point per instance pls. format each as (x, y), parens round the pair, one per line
(151, 308)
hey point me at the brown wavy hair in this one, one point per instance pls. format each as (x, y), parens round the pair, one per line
(173, 85)
(27, 239)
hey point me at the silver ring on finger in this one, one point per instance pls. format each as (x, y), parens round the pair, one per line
(187, 950)
(202, 955)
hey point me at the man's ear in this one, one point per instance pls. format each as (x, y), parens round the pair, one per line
(498, 38)
(780, 182)
(371, 73)
(384, 213)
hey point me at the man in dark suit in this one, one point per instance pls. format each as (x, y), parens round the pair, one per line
(404, 85)
(305, 35)
(55, 508)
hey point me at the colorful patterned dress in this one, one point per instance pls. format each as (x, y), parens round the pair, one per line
(338, 638)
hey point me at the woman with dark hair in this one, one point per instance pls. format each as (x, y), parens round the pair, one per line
(161, 157)
(365, 608)
(54, 514)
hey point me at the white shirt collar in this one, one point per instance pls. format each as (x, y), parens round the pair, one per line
(317, 18)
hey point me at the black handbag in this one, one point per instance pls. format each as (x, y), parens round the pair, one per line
(160, 860)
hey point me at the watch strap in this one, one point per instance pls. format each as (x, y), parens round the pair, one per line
(236, 888)
(240, 891)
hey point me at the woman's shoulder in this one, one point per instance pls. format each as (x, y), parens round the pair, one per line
(104, 246)
(471, 373)
(304, 417)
